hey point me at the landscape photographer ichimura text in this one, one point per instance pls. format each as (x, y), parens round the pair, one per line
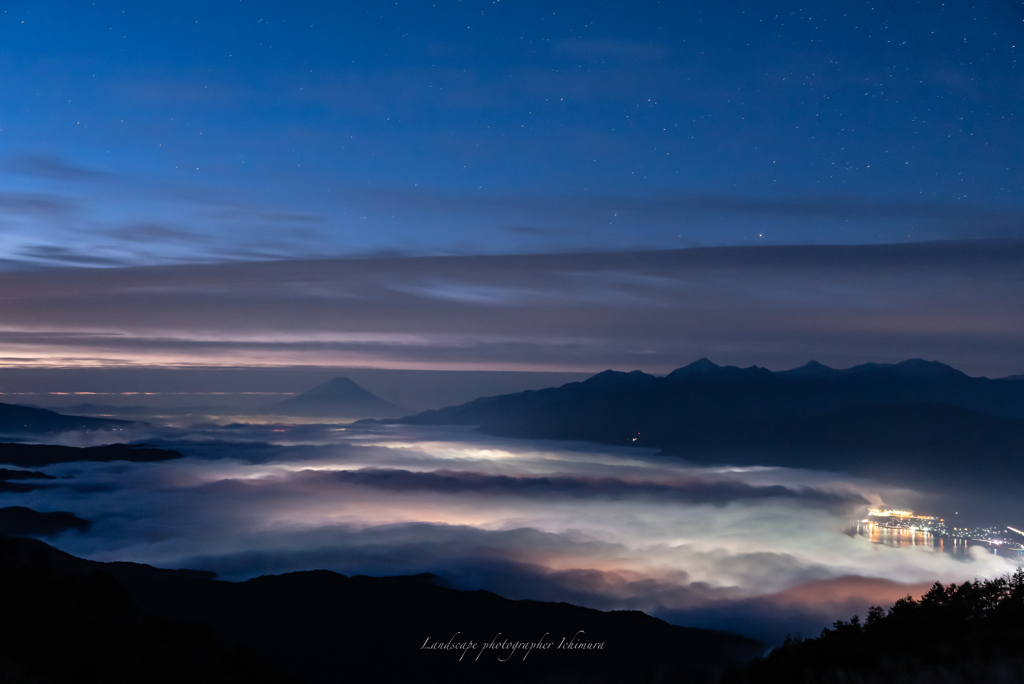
(500, 646)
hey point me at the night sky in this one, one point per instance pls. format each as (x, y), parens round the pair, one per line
(210, 132)
(229, 143)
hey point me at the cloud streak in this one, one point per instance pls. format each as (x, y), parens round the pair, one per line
(52, 168)
(126, 219)
(691, 491)
(958, 302)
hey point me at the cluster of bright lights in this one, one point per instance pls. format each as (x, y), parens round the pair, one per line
(890, 513)
(896, 513)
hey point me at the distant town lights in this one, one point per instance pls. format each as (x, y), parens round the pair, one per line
(896, 513)
(890, 513)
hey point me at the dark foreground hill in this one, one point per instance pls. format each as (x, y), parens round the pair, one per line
(65, 618)
(927, 416)
(24, 522)
(37, 455)
(956, 634)
(26, 420)
(144, 411)
(337, 398)
(13, 481)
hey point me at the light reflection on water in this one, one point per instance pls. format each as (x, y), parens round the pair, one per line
(901, 537)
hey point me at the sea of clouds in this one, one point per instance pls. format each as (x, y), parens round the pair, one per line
(760, 551)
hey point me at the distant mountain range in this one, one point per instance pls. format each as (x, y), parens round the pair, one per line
(125, 622)
(25, 420)
(928, 414)
(337, 398)
(89, 409)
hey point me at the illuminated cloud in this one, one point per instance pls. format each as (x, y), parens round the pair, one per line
(761, 549)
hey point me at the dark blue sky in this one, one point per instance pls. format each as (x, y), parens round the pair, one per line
(180, 132)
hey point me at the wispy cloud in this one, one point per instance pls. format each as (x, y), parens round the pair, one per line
(39, 204)
(55, 255)
(52, 168)
(657, 310)
(676, 206)
(688, 490)
(155, 233)
(132, 219)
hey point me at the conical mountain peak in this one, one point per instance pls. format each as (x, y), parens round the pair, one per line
(339, 397)
(702, 366)
(811, 369)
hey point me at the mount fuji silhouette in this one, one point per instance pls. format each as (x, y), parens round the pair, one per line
(337, 398)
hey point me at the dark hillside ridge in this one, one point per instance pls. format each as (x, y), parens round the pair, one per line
(926, 413)
(13, 481)
(957, 633)
(18, 521)
(26, 420)
(319, 626)
(37, 455)
(142, 410)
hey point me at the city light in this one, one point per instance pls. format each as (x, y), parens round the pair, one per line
(904, 522)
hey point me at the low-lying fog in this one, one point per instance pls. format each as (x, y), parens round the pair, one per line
(762, 551)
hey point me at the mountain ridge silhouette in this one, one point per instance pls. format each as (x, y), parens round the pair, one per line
(16, 419)
(933, 421)
(315, 626)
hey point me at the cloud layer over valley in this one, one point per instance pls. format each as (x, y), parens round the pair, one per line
(760, 550)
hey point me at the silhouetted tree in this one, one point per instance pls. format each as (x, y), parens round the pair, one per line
(970, 632)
